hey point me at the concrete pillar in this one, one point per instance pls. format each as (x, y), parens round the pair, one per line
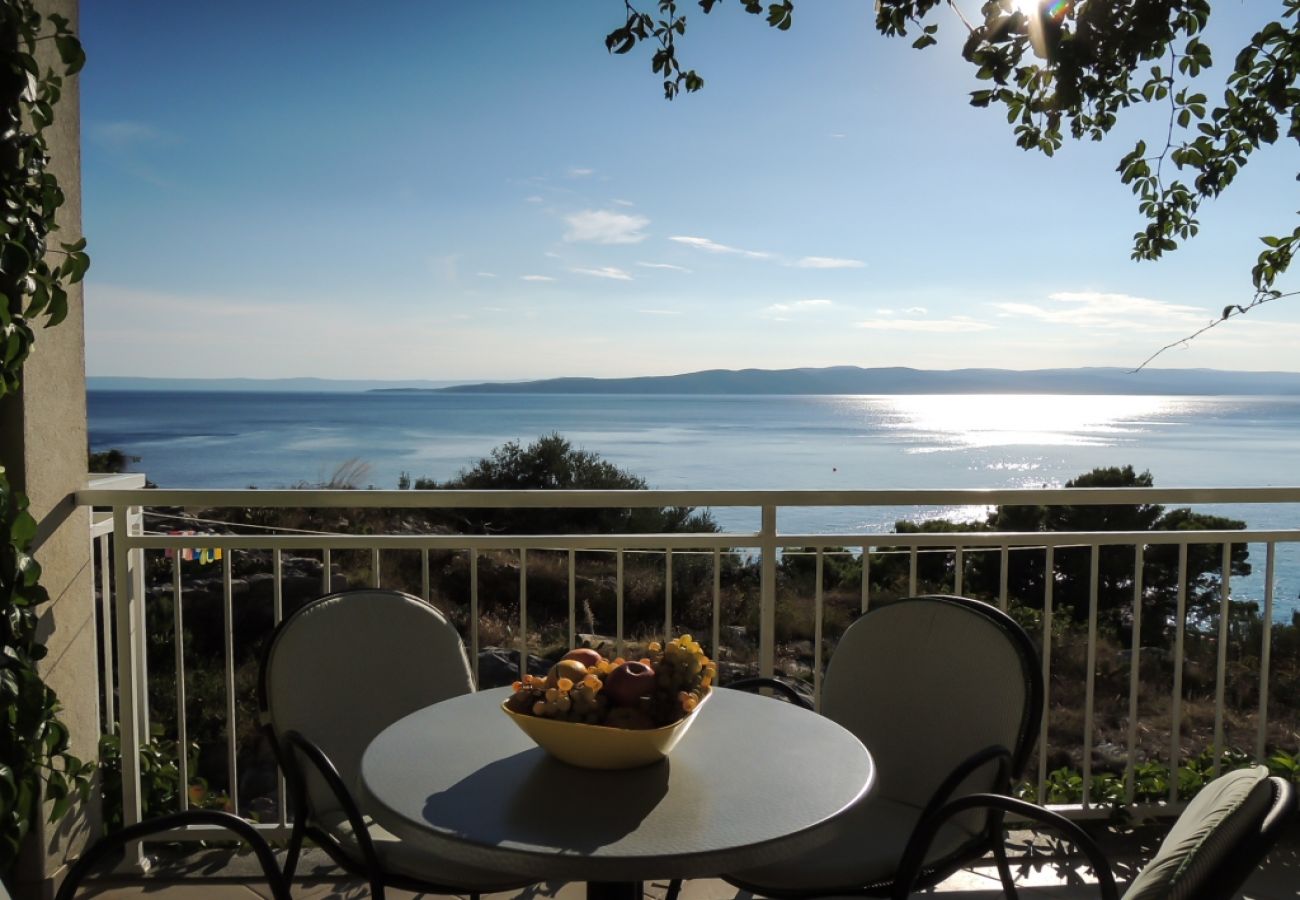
(43, 445)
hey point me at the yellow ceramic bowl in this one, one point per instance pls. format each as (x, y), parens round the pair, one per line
(601, 747)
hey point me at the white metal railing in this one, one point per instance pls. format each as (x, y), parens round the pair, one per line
(130, 542)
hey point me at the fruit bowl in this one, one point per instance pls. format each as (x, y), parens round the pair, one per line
(597, 713)
(602, 746)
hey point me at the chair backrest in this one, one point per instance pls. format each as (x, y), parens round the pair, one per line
(1220, 838)
(927, 682)
(344, 667)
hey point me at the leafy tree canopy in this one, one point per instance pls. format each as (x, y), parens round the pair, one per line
(1072, 67)
(111, 461)
(553, 463)
(1115, 565)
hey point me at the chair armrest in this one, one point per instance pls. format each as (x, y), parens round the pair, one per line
(266, 858)
(964, 770)
(374, 869)
(757, 683)
(923, 836)
(321, 762)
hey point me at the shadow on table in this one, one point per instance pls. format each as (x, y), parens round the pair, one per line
(530, 798)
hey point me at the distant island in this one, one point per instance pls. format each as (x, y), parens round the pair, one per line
(899, 380)
(830, 380)
(261, 385)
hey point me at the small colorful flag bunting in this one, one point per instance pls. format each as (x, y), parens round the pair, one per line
(201, 555)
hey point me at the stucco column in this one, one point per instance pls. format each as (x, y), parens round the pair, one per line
(43, 445)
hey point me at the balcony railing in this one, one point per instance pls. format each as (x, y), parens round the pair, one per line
(135, 555)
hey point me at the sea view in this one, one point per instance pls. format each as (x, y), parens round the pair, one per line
(408, 427)
(193, 439)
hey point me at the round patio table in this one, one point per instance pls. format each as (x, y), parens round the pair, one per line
(755, 780)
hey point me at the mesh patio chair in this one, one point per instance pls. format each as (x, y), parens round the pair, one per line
(275, 880)
(947, 694)
(334, 674)
(1214, 846)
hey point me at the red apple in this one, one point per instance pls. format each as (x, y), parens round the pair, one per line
(629, 682)
(584, 655)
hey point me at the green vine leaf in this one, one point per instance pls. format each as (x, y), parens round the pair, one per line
(34, 757)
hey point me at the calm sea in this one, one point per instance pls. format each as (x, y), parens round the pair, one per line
(215, 439)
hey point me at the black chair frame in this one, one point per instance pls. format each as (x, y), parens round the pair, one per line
(1222, 884)
(1010, 764)
(294, 745)
(275, 878)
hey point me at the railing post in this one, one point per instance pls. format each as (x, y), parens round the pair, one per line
(473, 612)
(1265, 654)
(668, 600)
(767, 595)
(106, 629)
(1044, 726)
(573, 600)
(618, 602)
(1221, 669)
(130, 626)
(1176, 700)
(1090, 676)
(866, 579)
(228, 646)
(523, 612)
(135, 566)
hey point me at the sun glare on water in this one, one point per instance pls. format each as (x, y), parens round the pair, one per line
(996, 420)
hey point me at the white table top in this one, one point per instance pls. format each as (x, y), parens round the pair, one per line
(754, 780)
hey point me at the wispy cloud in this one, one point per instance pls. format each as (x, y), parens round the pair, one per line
(605, 272)
(669, 266)
(123, 134)
(536, 278)
(604, 226)
(487, 274)
(954, 325)
(660, 312)
(828, 262)
(1109, 312)
(783, 312)
(618, 201)
(702, 243)
(579, 172)
(837, 135)
(534, 198)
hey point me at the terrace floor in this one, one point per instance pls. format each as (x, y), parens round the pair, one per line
(214, 875)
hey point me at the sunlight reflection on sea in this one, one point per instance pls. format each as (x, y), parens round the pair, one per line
(950, 422)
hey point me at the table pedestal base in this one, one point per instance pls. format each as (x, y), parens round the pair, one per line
(614, 890)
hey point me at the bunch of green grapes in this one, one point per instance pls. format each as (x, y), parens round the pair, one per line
(683, 674)
(580, 702)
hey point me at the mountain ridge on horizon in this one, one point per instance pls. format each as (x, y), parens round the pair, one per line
(906, 380)
(808, 380)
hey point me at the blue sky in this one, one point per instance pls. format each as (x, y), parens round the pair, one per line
(478, 190)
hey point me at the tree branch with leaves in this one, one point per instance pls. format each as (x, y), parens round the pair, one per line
(1074, 67)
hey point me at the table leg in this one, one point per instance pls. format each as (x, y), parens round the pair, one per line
(614, 890)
